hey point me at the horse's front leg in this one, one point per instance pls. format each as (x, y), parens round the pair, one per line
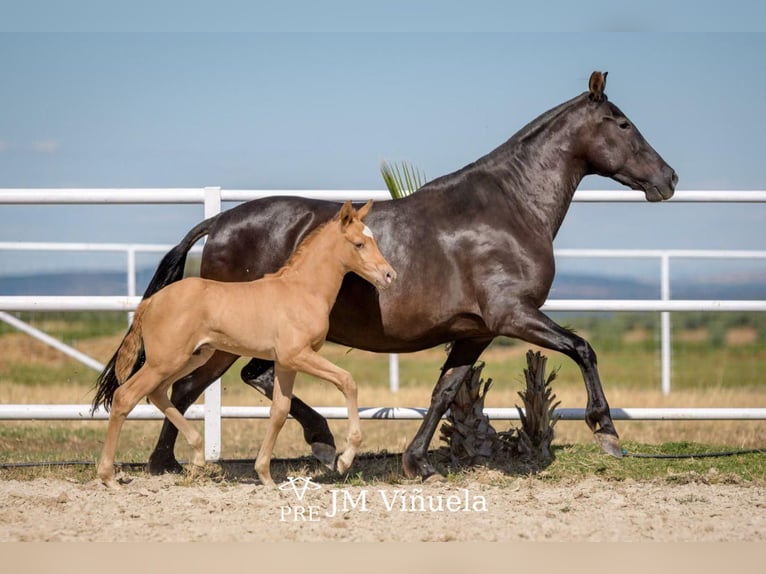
(259, 374)
(183, 394)
(280, 408)
(459, 362)
(530, 324)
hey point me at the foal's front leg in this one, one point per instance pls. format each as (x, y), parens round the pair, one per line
(313, 363)
(280, 408)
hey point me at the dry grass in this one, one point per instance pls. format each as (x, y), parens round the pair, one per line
(61, 380)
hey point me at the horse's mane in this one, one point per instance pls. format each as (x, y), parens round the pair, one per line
(525, 133)
(302, 246)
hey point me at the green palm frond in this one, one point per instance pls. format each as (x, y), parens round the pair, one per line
(401, 179)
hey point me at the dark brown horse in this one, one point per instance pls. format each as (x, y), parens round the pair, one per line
(474, 254)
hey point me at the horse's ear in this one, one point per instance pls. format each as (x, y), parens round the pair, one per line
(364, 210)
(596, 86)
(346, 214)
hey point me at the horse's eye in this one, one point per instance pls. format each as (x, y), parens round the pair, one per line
(359, 245)
(624, 125)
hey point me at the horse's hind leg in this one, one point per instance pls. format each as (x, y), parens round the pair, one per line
(280, 408)
(460, 360)
(160, 399)
(259, 374)
(183, 394)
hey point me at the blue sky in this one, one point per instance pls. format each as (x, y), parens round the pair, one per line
(315, 99)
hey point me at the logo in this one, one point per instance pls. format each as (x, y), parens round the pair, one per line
(345, 500)
(299, 485)
(299, 512)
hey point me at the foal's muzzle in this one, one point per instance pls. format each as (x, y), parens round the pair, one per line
(386, 278)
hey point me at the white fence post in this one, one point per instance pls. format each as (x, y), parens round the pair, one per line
(393, 372)
(665, 349)
(213, 392)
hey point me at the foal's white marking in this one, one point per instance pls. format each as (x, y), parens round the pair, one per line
(367, 231)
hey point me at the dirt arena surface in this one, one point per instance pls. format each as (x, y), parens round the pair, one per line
(160, 509)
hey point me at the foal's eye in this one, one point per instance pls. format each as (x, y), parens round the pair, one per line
(623, 125)
(359, 245)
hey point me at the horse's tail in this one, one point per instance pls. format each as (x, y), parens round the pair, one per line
(127, 359)
(130, 354)
(171, 268)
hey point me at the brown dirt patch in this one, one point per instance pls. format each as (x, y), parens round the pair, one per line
(521, 509)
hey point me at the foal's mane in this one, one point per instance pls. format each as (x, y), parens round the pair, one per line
(302, 247)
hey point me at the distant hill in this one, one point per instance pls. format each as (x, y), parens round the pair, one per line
(74, 283)
(566, 286)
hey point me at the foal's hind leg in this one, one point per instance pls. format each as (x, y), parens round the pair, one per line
(126, 397)
(160, 400)
(280, 408)
(314, 364)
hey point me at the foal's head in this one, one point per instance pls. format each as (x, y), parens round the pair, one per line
(360, 250)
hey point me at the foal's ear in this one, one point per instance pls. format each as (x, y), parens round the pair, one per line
(346, 214)
(364, 210)
(596, 86)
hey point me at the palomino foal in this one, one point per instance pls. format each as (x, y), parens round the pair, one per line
(182, 325)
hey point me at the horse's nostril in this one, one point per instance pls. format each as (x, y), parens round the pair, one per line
(674, 178)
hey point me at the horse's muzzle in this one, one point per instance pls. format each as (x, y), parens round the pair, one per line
(386, 278)
(663, 190)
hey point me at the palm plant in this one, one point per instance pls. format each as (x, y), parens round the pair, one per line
(402, 179)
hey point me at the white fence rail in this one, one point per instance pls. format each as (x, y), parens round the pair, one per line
(211, 197)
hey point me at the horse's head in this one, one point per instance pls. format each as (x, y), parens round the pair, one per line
(613, 147)
(362, 255)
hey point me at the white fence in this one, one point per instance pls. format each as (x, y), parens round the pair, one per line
(212, 411)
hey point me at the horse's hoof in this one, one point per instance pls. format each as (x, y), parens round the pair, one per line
(610, 444)
(324, 453)
(164, 466)
(414, 468)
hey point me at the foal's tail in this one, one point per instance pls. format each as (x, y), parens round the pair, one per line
(127, 359)
(130, 354)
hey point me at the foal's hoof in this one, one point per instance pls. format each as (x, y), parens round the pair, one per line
(342, 465)
(434, 478)
(324, 453)
(111, 484)
(115, 482)
(609, 443)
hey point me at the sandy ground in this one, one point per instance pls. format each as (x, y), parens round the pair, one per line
(524, 509)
